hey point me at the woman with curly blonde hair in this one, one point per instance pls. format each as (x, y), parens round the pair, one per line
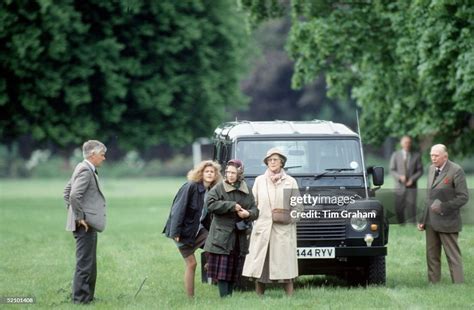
(188, 223)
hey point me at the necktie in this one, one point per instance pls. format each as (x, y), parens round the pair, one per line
(96, 172)
(437, 172)
(405, 165)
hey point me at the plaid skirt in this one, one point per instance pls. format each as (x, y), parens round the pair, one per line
(224, 267)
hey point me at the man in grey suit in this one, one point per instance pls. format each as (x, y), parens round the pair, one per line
(406, 168)
(86, 216)
(447, 193)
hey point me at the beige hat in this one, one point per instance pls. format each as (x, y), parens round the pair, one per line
(272, 151)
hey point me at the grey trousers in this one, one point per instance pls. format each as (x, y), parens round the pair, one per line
(83, 286)
(405, 205)
(449, 241)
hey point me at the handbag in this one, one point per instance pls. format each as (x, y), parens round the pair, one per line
(281, 216)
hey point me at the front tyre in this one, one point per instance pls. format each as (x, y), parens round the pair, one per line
(376, 271)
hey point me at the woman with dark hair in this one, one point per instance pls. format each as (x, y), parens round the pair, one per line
(185, 224)
(233, 208)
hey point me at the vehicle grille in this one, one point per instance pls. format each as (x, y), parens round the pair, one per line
(321, 229)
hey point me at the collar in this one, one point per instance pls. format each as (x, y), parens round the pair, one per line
(243, 187)
(90, 165)
(442, 167)
(201, 188)
(270, 174)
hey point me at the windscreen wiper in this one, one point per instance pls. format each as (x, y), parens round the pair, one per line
(292, 167)
(327, 170)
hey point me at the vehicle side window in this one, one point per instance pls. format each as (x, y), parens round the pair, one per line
(225, 153)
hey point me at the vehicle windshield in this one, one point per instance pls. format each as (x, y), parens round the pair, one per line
(304, 156)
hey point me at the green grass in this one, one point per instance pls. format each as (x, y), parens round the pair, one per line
(37, 258)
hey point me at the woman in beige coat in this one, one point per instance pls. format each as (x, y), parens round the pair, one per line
(272, 251)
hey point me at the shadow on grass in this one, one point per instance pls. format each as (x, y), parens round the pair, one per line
(320, 281)
(305, 282)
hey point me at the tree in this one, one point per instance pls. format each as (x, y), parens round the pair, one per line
(408, 64)
(135, 72)
(269, 84)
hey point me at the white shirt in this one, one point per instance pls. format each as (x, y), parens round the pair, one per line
(442, 167)
(406, 155)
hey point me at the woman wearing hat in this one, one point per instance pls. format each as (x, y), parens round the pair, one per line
(233, 208)
(186, 224)
(272, 251)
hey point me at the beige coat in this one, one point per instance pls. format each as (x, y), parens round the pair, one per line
(281, 238)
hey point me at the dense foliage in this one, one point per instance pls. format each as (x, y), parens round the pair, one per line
(134, 72)
(408, 64)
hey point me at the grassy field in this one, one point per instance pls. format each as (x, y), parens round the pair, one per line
(37, 258)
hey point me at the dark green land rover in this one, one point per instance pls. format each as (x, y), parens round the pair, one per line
(342, 230)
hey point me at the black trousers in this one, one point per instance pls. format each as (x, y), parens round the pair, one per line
(83, 286)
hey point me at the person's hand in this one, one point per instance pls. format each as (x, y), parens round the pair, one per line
(238, 207)
(243, 214)
(176, 239)
(403, 179)
(409, 183)
(421, 227)
(83, 223)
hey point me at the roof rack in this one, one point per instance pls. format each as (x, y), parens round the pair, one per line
(255, 131)
(289, 123)
(230, 130)
(332, 127)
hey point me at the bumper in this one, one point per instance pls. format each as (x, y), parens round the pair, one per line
(348, 259)
(361, 251)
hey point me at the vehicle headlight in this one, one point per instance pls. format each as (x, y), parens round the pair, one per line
(358, 223)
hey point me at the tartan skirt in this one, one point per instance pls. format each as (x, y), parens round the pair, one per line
(224, 267)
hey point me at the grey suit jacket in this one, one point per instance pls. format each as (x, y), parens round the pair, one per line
(84, 199)
(414, 167)
(450, 189)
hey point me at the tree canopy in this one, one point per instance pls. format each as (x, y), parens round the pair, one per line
(269, 84)
(408, 64)
(137, 72)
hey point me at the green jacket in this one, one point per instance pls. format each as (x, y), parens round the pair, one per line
(221, 201)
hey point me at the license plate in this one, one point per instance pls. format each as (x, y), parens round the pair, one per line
(316, 252)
